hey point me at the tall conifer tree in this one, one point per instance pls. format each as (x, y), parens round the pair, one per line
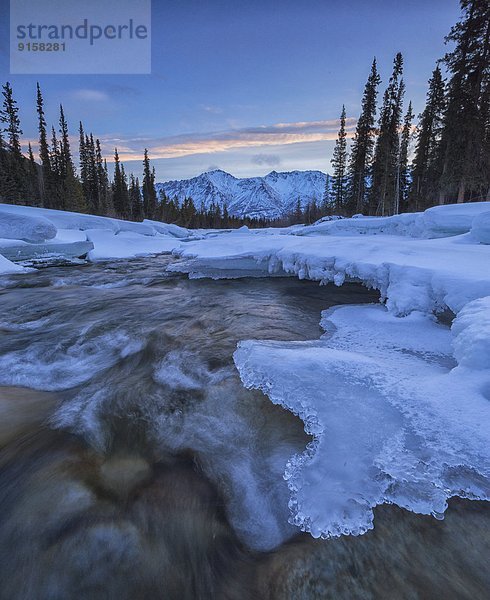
(427, 163)
(149, 192)
(403, 168)
(14, 163)
(120, 189)
(363, 145)
(383, 192)
(339, 164)
(44, 153)
(465, 172)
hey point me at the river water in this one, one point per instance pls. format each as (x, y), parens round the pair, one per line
(133, 463)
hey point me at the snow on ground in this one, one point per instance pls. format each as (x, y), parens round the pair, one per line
(28, 228)
(435, 222)
(412, 274)
(126, 244)
(398, 405)
(30, 233)
(6, 266)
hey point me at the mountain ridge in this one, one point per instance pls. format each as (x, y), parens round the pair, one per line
(271, 196)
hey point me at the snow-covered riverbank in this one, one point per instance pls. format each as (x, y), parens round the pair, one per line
(397, 404)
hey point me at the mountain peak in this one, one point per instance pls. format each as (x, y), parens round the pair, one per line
(270, 197)
(216, 171)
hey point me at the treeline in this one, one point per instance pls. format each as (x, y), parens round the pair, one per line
(451, 161)
(55, 182)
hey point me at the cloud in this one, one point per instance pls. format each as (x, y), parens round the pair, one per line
(215, 110)
(213, 168)
(88, 95)
(116, 89)
(272, 160)
(250, 137)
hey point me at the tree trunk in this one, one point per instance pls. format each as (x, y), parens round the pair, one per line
(461, 191)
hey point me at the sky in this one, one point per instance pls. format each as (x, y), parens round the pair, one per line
(247, 87)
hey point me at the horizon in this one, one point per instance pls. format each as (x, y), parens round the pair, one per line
(266, 92)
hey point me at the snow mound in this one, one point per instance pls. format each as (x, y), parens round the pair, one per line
(7, 267)
(140, 228)
(25, 227)
(471, 331)
(383, 400)
(126, 244)
(436, 222)
(480, 228)
(168, 229)
(64, 219)
(112, 238)
(451, 219)
(403, 224)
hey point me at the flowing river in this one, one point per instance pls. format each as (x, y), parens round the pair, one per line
(134, 464)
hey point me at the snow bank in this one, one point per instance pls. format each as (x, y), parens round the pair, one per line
(480, 228)
(7, 267)
(25, 227)
(436, 222)
(451, 219)
(70, 235)
(403, 224)
(108, 245)
(411, 274)
(112, 238)
(133, 227)
(65, 219)
(471, 332)
(168, 229)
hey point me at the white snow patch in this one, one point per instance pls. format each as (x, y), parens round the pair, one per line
(24, 227)
(480, 228)
(126, 244)
(7, 267)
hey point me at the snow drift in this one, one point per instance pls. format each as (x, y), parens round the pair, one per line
(27, 228)
(28, 233)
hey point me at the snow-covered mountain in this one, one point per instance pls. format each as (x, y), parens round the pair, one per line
(271, 196)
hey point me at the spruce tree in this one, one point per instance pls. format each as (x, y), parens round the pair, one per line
(149, 192)
(9, 115)
(465, 173)
(485, 152)
(363, 145)
(135, 199)
(426, 170)
(403, 168)
(14, 162)
(120, 189)
(70, 186)
(44, 153)
(34, 198)
(56, 175)
(383, 192)
(298, 213)
(93, 200)
(339, 164)
(102, 180)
